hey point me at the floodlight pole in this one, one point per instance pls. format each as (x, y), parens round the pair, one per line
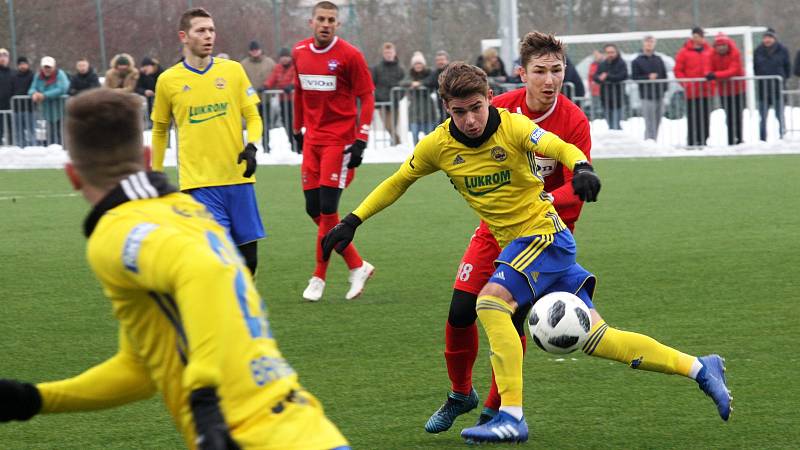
(13, 29)
(276, 24)
(507, 29)
(100, 32)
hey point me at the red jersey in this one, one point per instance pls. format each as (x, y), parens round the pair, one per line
(327, 82)
(569, 123)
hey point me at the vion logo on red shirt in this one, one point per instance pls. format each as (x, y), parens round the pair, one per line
(318, 82)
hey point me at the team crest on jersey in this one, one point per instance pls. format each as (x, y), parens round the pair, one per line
(333, 64)
(220, 83)
(499, 154)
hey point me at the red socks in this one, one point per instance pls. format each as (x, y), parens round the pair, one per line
(493, 399)
(461, 349)
(325, 222)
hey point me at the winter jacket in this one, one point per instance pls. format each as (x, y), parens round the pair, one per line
(83, 81)
(22, 82)
(385, 76)
(641, 68)
(499, 71)
(257, 70)
(6, 87)
(571, 75)
(282, 77)
(421, 107)
(772, 60)
(52, 107)
(119, 80)
(691, 62)
(727, 66)
(148, 82)
(594, 87)
(612, 90)
(797, 64)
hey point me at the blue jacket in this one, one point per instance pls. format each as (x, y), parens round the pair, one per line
(53, 106)
(772, 60)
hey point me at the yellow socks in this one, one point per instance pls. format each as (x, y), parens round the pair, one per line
(506, 353)
(637, 350)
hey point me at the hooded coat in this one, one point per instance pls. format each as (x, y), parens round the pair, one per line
(691, 62)
(126, 81)
(727, 66)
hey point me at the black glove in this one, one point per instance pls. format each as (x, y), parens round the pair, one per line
(711, 76)
(585, 182)
(356, 151)
(298, 137)
(18, 401)
(341, 235)
(249, 155)
(212, 431)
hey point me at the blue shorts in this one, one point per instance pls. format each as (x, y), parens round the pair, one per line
(235, 208)
(533, 266)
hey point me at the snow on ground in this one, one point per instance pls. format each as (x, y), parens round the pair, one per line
(627, 143)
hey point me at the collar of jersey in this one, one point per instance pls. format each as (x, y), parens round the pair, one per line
(199, 72)
(323, 50)
(136, 186)
(492, 124)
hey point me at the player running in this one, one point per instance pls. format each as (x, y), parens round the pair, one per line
(488, 154)
(543, 64)
(191, 324)
(207, 97)
(331, 75)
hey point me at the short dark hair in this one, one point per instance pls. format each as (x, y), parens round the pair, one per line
(538, 44)
(460, 80)
(189, 14)
(698, 30)
(104, 135)
(324, 5)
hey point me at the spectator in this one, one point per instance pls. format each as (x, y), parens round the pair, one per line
(49, 85)
(571, 75)
(726, 62)
(771, 58)
(386, 75)
(610, 75)
(123, 73)
(85, 78)
(514, 77)
(223, 56)
(649, 66)
(491, 63)
(149, 72)
(694, 61)
(258, 67)
(282, 77)
(441, 60)
(6, 92)
(22, 109)
(594, 87)
(797, 64)
(421, 108)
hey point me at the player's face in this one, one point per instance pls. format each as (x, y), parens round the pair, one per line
(324, 25)
(543, 77)
(200, 37)
(470, 114)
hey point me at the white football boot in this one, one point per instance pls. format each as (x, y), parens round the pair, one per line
(358, 278)
(316, 286)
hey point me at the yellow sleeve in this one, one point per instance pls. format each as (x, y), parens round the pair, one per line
(158, 146)
(422, 162)
(119, 380)
(255, 127)
(537, 139)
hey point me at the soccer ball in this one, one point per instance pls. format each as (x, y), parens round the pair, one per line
(559, 322)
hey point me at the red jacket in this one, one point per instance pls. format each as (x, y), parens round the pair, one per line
(593, 86)
(281, 78)
(693, 63)
(727, 66)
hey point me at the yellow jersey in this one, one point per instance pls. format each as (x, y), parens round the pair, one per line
(190, 317)
(497, 177)
(206, 107)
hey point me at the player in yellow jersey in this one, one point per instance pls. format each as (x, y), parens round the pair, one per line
(488, 154)
(191, 324)
(206, 98)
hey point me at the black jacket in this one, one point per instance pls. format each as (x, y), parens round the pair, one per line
(386, 75)
(148, 82)
(641, 69)
(773, 60)
(612, 90)
(571, 75)
(797, 64)
(6, 87)
(22, 82)
(83, 81)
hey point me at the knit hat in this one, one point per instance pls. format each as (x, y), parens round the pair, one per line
(254, 45)
(771, 32)
(418, 57)
(147, 61)
(284, 52)
(3, 51)
(122, 61)
(23, 59)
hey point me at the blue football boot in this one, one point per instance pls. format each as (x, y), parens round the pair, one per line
(502, 428)
(711, 379)
(455, 405)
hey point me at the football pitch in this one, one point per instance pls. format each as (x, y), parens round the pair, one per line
(699, 253)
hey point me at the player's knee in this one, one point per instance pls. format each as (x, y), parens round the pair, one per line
(312, 202)
(329, 199)
(462, 309)
(249, 253)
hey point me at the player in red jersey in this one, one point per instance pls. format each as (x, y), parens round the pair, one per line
(331, 75)
(542, 70)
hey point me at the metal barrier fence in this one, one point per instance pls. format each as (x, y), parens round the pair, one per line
(277, 111)
(35, 123)
(791, 99)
